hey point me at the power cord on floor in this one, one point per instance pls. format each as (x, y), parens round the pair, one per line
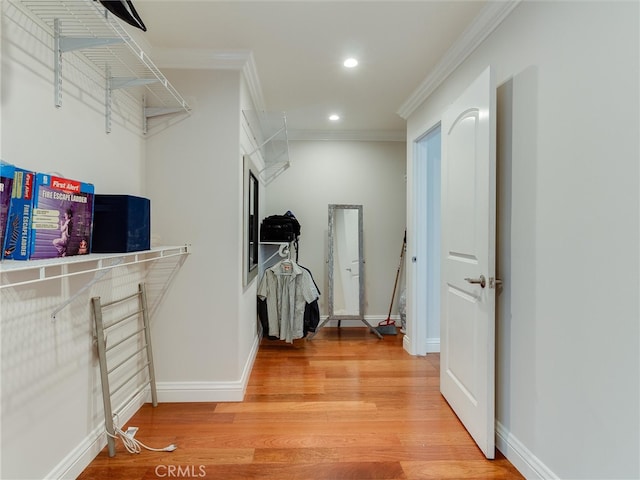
(131, 444)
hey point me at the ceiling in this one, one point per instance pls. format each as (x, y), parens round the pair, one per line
(293, 52)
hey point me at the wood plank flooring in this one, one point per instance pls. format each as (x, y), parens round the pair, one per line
(344, 405)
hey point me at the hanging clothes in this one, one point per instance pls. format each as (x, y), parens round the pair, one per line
(287, 288)
(311, 310)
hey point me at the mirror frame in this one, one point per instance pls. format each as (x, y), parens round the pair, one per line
(251, 222)
(332, 213)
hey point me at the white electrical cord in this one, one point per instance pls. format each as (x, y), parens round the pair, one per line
(131, 444)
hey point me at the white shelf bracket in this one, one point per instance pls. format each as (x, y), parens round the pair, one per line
(96, 278)
(69, 44)
(64, 44)
(151, 112)
(57, 61)
(100, 40)
(116, 83)
(128, 82)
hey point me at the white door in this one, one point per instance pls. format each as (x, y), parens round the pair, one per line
(467, 356)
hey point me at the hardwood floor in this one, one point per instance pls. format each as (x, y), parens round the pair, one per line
(342, 406)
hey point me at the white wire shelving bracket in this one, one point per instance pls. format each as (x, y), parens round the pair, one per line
(269, 132)
(87, 27)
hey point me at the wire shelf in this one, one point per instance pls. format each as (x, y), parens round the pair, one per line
(269, 131)
(87, 27)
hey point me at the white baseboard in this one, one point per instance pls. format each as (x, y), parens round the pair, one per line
(433, 345)
(406, 344)
(80, 457)
(200, 391)
(520, 456)
(372, 319)
(209, 391)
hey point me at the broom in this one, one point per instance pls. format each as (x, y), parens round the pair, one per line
(388, 326)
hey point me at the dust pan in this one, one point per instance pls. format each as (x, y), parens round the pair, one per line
(387, 327)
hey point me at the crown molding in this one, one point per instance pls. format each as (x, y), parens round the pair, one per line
(486, 22)
(243, 60)
(198, 59)
(250, 72)
(347, 135)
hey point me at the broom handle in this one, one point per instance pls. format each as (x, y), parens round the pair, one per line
(395, 285)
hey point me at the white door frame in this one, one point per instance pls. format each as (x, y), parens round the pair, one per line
(426, 183)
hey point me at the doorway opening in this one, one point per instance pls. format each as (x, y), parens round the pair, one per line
(427, 221)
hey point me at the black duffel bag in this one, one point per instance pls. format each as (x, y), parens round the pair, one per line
(280, 228)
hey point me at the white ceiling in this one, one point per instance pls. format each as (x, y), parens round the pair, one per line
(295, 49)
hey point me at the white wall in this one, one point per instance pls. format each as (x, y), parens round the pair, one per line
(568, 365)
(371, 174)
(247, 316)
(50, 385)
(204, 329)
(203, 321)
(70, 140)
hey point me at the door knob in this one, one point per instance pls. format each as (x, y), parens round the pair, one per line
(481, 281)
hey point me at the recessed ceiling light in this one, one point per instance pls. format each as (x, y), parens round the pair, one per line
(350, 62)
(334, 117)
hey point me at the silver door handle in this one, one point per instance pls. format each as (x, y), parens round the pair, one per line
(481, 281)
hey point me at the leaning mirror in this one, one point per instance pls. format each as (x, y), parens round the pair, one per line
(346, 264)
(346, 268)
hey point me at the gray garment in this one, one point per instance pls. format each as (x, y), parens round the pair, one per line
(287, 288)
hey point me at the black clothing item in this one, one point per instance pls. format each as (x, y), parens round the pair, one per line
(124, 10)
(264, 318)
(311, 317)
(311, 310)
